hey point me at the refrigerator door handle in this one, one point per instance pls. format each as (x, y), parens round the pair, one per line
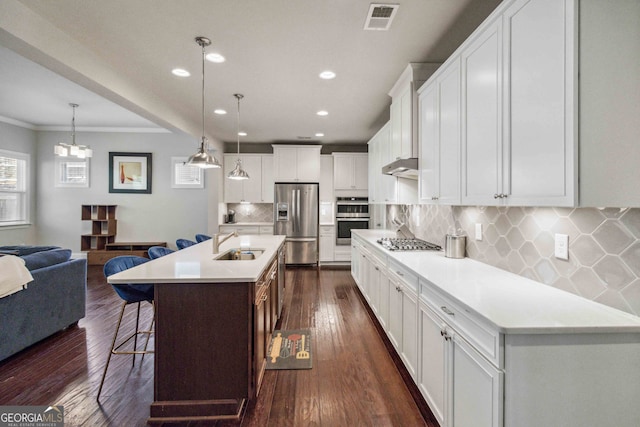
(301, 239)
(298, 211)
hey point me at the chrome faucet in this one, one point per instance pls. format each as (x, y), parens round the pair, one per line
(217, 240)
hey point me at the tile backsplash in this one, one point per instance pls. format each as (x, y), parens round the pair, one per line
(604, 245)
(252, 212)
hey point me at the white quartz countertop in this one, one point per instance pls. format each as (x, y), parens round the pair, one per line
(245, 224)
(512, 303)
(196, 264)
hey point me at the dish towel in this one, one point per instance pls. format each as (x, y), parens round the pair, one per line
(13, 275)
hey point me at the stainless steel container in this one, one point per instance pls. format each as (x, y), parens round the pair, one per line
(455, 245)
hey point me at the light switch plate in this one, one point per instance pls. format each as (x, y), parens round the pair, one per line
(562, 246)
(478, 231)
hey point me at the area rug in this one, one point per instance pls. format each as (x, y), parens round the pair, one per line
(290, 350)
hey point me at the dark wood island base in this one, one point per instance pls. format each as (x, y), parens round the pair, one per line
(210, 343)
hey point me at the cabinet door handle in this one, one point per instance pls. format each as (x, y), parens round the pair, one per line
(399, 274)
(377, 269)
(434, 198)
(447, 311)
(496, 196)
(445, 335)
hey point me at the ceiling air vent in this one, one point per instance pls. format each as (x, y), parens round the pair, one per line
(380, 16)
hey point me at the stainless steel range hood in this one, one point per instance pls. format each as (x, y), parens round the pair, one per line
(404, 168)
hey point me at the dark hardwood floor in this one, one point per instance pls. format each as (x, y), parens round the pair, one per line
(354, 381)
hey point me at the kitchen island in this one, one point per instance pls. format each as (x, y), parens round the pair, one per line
(486, 347)
(213, 323)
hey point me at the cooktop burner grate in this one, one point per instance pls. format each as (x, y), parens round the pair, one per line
(399, 244)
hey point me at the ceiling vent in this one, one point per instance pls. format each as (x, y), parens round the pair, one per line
(380, 16)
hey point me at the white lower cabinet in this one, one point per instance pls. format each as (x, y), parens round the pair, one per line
(403, 316)
(432, 369)
(459, 381)
(473, 373)
(355, 262)
(327, 243)
(476, 386)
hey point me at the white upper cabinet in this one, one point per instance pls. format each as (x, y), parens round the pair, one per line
(528, 121)
(609, 62)
(267, 178)
(350, 171)
(326, 179)
(403, 112)
(440, 129)
(382, 188)
(540, 84)
(482, 148)
(250, 190)
(518, 142)
(296, 163)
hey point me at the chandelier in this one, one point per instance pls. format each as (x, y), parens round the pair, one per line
(72, 150)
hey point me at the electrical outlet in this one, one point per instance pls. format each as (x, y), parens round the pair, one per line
(478, 231)
(562, 246)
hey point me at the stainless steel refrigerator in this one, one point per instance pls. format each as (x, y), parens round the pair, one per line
(296, 216)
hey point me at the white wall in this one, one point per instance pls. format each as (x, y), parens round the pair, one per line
(19, 139)
(164, 215)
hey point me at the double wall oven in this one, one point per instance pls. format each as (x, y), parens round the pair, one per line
(351, 213)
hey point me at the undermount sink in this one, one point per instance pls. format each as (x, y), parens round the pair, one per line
(239, 254)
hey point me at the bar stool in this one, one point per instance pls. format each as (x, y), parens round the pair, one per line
(184, 243)
(130, 294)
(158, 251)
(202, 237)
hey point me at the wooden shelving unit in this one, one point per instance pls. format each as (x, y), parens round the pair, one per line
(103, 227)
(101, 244)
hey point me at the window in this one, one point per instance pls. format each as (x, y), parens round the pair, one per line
(14, 188)
(185, 176)
(71, 172)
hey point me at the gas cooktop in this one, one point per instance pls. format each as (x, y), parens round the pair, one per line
(400, 244)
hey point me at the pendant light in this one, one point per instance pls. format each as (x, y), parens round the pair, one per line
(202, 158)
(65, 150)
(238, 173)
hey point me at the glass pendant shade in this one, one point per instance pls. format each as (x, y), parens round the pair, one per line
(64, 150)
(238, 173)
(202, 158)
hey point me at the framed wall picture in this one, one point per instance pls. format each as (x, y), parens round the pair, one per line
(185, 176)
(130, 173)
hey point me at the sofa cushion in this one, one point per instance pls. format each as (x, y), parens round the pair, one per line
(42, 259)
(22, 250)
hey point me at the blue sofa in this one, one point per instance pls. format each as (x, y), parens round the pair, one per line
(54, 300)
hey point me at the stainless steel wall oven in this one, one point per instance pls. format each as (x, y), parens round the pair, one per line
(351, 213)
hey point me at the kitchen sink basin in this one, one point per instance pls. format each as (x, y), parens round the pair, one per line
(239, 254)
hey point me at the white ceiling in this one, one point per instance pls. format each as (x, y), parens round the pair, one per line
(114, 58)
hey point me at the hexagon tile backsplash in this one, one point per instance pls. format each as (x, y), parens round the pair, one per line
(604, 245)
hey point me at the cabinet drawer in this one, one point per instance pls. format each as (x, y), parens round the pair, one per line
(407, 276)
(483, 336)
(242, 230)
(266, 229)
(327, 230)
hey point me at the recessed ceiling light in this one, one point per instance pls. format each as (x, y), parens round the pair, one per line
(319, 134)
(327, 75)
(242, 134)
(219, 111)
(180, 72)
(322, 113)
(215, 57)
